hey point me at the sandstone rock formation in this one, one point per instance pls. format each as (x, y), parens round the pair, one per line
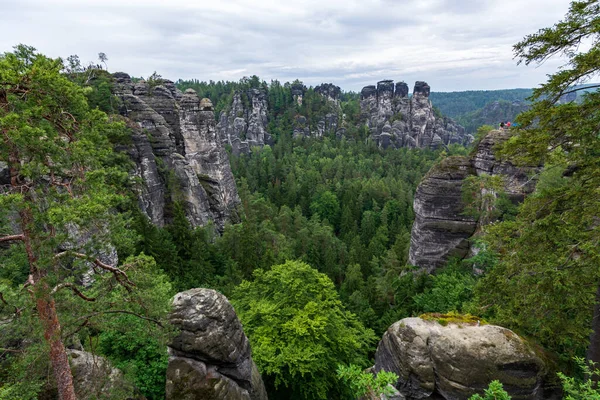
(330, 122)
(397, 120)
(298, 90)
(458, 360)
(244, 124)
(441, 229)
(177, 152)
(210, 359)
(330, 91)
(95, 378)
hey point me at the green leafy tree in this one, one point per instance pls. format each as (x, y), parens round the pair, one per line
(577, 389)
(299, 330)
(61, 190)
(494, 391)
(362, 384)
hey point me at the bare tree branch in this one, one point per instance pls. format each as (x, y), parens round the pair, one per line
(75, 290)
(120, 275)
(12, 238)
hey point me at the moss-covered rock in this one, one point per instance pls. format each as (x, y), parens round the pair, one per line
(452, 356)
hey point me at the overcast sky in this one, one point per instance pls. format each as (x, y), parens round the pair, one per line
(451, 44)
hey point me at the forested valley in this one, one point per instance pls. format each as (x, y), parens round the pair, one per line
(312, 248)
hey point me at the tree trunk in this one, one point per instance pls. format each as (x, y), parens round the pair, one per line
(58, 355)
(594, 349)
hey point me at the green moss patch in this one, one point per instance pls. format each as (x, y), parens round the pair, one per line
(453, 318)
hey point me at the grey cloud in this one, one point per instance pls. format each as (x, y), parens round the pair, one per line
(454, 45)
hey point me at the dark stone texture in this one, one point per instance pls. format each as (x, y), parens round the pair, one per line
(329, 90)
(210, 358)
(401, 89)
(441, 230)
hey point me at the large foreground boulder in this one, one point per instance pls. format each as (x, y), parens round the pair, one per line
(458, 360)
(210, 359)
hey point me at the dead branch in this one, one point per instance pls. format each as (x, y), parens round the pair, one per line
(75, 290)
(12, 238)
(119, 274)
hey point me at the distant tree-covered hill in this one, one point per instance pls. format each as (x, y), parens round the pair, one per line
(455, 104)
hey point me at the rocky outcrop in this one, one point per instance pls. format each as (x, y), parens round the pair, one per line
(210, 358)
(95, 378)
(397, 120)
(517, 180)
(330, 122)
(330, 91)
(441, 229)
(244, 124)
(177, 153)
(298, 90)
(458, 360)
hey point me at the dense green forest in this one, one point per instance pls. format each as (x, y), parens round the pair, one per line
(322, 243)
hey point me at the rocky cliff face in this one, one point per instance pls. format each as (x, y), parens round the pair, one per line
(177, 153)
(458, 360)
(210, 359)
(441, 230)
(397, 120)
(244, 124)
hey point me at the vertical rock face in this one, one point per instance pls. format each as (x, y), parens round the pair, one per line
(398, 120)
(210, 359)
(458, 360)
(244, 124)
(177, 153)
(441, 230)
